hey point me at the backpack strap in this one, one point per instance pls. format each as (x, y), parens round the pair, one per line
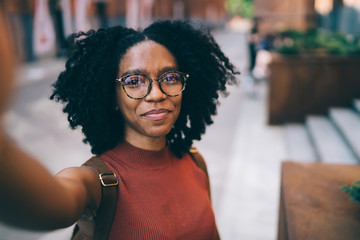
(109, 191)
(200, 162)
(107, 208)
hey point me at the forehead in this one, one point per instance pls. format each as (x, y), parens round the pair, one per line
(149, 57)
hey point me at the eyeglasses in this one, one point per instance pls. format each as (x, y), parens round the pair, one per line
(138, 86)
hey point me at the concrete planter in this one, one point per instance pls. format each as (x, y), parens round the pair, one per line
(310, 84)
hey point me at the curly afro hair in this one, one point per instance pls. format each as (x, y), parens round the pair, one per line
(88, 86)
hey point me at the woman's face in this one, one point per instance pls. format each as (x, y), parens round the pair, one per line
(154, 115)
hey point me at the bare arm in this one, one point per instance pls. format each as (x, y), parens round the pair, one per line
(31, 197)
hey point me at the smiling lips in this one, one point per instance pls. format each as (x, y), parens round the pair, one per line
(157, 114)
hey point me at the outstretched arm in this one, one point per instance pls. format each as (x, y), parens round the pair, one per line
(32, 198)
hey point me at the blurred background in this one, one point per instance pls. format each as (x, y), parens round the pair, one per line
(297, 98)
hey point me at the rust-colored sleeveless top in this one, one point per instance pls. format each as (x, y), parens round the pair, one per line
(160, 195)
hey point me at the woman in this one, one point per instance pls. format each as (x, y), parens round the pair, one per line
(141, 98)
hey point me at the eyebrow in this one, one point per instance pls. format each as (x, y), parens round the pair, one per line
(143, 71)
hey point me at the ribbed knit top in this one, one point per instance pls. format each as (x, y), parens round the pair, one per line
(160, 195)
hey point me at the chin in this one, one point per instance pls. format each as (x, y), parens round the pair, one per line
(156, 132)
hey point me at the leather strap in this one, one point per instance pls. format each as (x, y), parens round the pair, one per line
(109, 189)
(200, 162)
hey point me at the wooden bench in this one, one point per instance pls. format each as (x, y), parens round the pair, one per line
(313, 205)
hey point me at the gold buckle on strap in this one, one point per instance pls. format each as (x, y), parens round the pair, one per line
(109, 181)
(193, 150)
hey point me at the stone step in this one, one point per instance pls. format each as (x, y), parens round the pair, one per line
(357, 105)
(348, 122)
(329, 144)
(298, 143)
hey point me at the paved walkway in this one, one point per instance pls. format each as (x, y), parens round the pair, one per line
(242, 152)
(244, 156)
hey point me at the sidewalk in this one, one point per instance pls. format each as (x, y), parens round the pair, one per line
(243, 155)
(29, 73)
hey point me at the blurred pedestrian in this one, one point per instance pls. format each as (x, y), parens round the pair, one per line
(253, 42)
(101, 6)
(141, 98)
(56, 9)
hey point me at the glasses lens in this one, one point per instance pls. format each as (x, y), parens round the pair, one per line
(172, 83)
(136, 86)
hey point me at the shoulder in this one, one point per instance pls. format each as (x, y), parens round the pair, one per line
(82, 174)
(90, 178)
(198, 159)
(87, 178)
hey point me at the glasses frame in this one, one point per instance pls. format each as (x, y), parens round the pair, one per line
(185, 76)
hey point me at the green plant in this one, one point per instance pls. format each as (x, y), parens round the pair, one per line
(354, 191)
(243, 8)
(315, 41)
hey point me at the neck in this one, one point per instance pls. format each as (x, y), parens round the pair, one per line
(154, 144)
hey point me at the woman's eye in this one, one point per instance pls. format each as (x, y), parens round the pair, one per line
(172, 78)
(134, 81)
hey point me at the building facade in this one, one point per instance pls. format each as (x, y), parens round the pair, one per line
(27, 19)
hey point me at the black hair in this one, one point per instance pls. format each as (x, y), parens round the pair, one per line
(88, 86)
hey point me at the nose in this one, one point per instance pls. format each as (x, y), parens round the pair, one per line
(155, 93)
